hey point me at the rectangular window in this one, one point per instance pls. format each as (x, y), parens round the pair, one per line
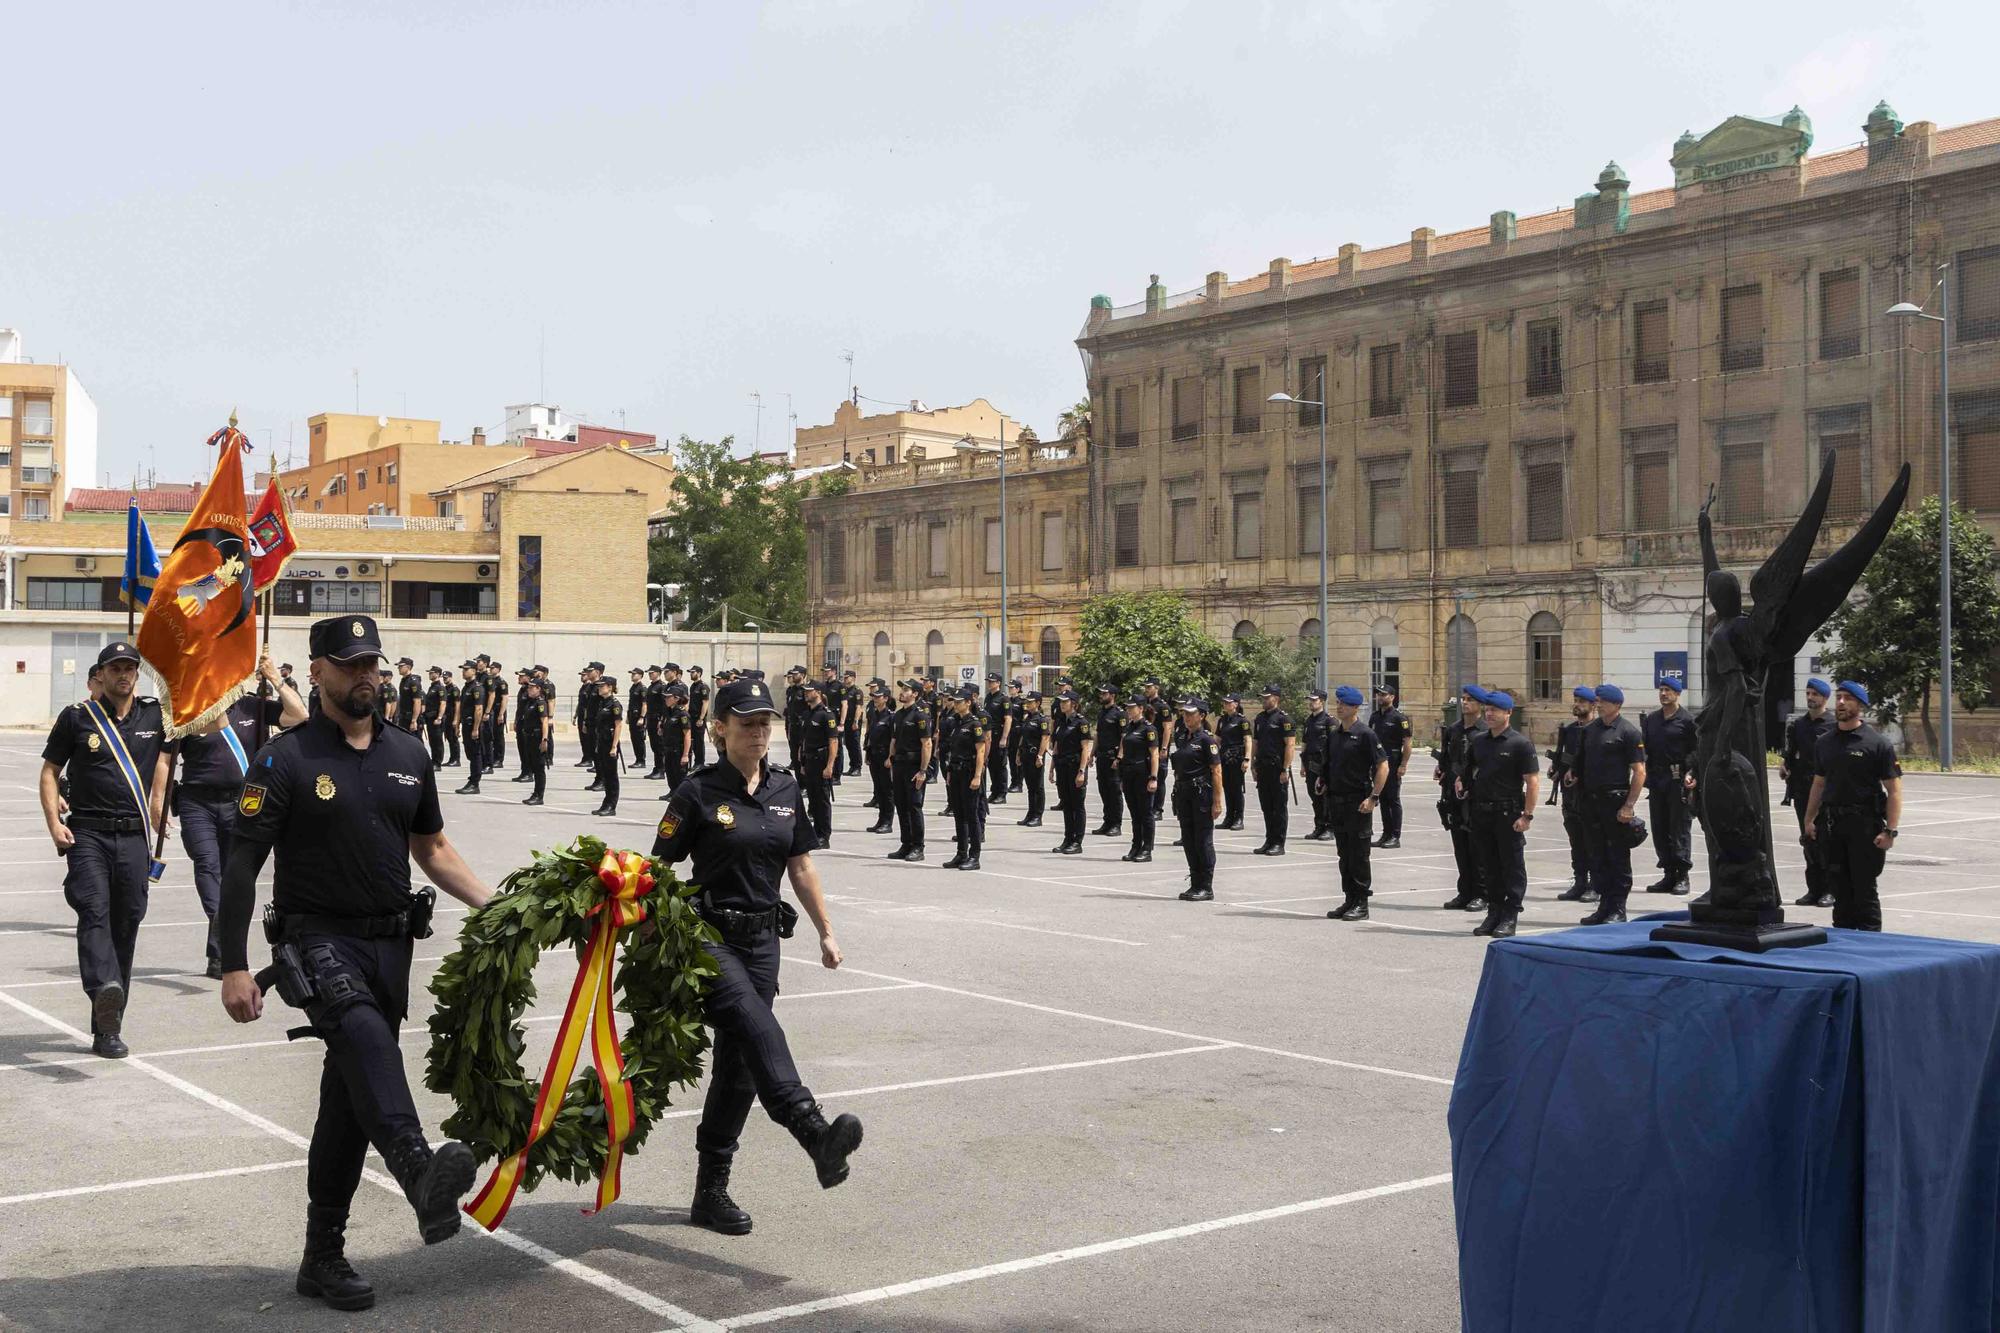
(1125, 533)
(1650, 498)
(1839, 314)
(1052, 542)
(885, 555)
(1247, 386)
(1461, 369)
(1545, 363)
(1545, 647)
(1978, 303)
(1544, 484)
(1385, 513)
(333, 598)
(1309, 516)
(35, 508)
(1461, 505)
(1743, 328)
(1312, 384)
(1976, 456)
(1843, 432)
(833, 557)
(1125, 417)
(489, 510)
(889, 454)
(528, 578)
(1649, 342)
(940, 551)
(1187, 407)
(454, 599)
(1385, 381)
(361, 479)
(6, 505)
(1247, 525)
(1741, 487)
(392, 474)
(38, 417)
(1184, 541)
(71, 595)
(992, 529)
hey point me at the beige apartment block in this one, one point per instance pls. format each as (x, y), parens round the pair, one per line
(606, 470)
(887, 438)
(48, 439)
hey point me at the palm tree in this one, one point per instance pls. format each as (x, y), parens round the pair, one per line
(1075, 422)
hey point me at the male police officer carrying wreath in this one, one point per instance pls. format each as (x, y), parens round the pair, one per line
(347, 801)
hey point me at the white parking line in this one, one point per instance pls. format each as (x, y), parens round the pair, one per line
(965, 1275)
(183, 1179)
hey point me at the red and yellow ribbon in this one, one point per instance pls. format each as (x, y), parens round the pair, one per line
(627, 878)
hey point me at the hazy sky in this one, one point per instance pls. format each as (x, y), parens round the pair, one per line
(209, 206)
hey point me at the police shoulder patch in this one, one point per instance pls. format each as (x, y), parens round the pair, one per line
(252, 799)
(669, 824)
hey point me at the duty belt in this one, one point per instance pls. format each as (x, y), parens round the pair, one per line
(108, 823)
(392, 925)
(1497, 807)
(737, 927)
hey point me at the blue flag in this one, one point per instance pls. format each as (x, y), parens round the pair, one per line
(142, 566)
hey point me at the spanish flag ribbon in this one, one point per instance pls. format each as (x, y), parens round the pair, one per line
(627, 878)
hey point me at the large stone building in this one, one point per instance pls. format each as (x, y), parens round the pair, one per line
(1522, 423)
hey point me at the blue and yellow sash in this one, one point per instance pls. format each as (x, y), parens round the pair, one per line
(115, 741)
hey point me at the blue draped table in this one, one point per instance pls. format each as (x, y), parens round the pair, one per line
(1675, 1136)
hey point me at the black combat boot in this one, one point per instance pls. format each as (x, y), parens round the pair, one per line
(1353, 909)
(1604, 915)
(1202, 894)
(325, 1272)
(433, 1182)
(829, 1145)
(712, 1206)
(1574, 893)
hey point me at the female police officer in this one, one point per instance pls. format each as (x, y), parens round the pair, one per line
(741, 821)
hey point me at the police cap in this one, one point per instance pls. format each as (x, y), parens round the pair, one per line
(744, 697)
(968, 691)
(121, 651)
(344, 639)
(1195, 705)
(671, 666)
(1274, 689)
(1312, 694)
(406, 661)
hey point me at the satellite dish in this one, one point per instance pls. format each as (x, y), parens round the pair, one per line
(382, 422)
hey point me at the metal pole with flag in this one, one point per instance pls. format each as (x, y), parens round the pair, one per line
(142, 565)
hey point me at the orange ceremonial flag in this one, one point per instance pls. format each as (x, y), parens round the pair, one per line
(200, 630)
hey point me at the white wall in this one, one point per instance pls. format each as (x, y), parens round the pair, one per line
(79, 439)
(1647, 613)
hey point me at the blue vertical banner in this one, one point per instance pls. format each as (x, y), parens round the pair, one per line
(142, 565)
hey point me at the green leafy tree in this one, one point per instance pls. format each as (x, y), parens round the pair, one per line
(1888, 635)
(733, 534)
(1256, 660)
(1127, 638)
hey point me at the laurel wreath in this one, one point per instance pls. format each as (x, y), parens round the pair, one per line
(484, 986)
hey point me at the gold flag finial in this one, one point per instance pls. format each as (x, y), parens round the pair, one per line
(232, 417)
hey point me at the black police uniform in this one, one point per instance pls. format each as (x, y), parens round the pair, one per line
(1269, 731)
(819, 735)
(638, 721)
(1194, 757)
(610, 755)
(1110, 727)
(585, 719)
(529, 713)
(1016, 710)
(857, 708)
(497, 691)
(655, 694)
(946, 721)
(1312, 760)
(1232, 737)
(1164, 719)
(672, 740)
(878, 741)
(1670, 747)
(437, 710)
(1568, 759)
(1456, 767)
(1349, 755)
(211, 778)
(409, 694)
(471, 726)
(1609, 751)
(795, 707)
(1136, 768)
(1030, 764)
(1391, 727)
(106, 880)
(697, 720)
(1496, 798)
(906, 759)
(994, 706)
(1801, 761)
(1852, 809)
(1066, 740)
(967, 804)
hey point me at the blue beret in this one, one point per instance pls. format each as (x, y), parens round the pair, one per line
(1348, 695)
(1668, 682)
(1815, 683)
(1473, 692)
(1857, 689)
(1610, 694)
(1500, 699)
(1585, 692)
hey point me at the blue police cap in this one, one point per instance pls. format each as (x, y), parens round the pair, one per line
(1610, 694)
(1348, 695)
(1500, 699)
(1585, 693)
(1816, 683)
(1857, 689)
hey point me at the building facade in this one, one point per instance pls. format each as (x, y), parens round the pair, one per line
(48, 438)
(1522, 421)
(888, 438)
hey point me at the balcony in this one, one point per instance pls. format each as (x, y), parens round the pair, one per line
(38, 428)
(38, 476)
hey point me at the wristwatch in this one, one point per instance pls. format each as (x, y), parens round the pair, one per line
(1891, 832)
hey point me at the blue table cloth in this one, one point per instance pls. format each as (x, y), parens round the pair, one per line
(1675, 1136)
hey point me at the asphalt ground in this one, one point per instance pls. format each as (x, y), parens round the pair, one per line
(1088, 1105)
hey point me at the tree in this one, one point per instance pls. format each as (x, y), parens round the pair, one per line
(1075, 423)
(1888, 637)
(1127, 638)
(733, 534)
(1257, 660)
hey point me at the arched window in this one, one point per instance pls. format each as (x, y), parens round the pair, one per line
(1312, 643)
(1385, 656)
(1244, 629)
(934, 653)
(1051, 649)
(1545, 655)
(881, 653)
(1461, 649)
(831, 655)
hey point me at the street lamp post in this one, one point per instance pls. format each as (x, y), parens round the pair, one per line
(751, 624)
(1904, 310)
(1319, 666)
(1006, 667)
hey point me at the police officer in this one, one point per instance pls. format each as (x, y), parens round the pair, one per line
(1071, 742)
(697, 716)
(654, 696)
(1312, 754)
(854, 723)
(1139, 776)
(1016, 710)
(532, 725)
(638, 717)
(909, 762)
(1161, 712)
(1393, 729)
(1453, 766)
(453, 702)
(1611, 774)
(1110, 727)
(819, 756)
(674, 736)
(1273, 746)
(585, 717)
(1354, 770)
(965, 778)
(795, 705)
(1000, 728)
(213, 766)
(385, 694)
(435, 714)
(879, 738)
(1797, 767)
(483, 679)
(608, 744)
(1197, 762)
(409, 694)
(111, 750)
(741, 821)
(347, 802)
(1855, 807)
(1500, 799)
(471, 722)
(945, 717)
(1670, 745)
(1031, 756)
(1232, 738)
(1563, 761)
(497, 710)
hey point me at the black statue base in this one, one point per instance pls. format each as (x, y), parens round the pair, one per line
(1757, 937)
